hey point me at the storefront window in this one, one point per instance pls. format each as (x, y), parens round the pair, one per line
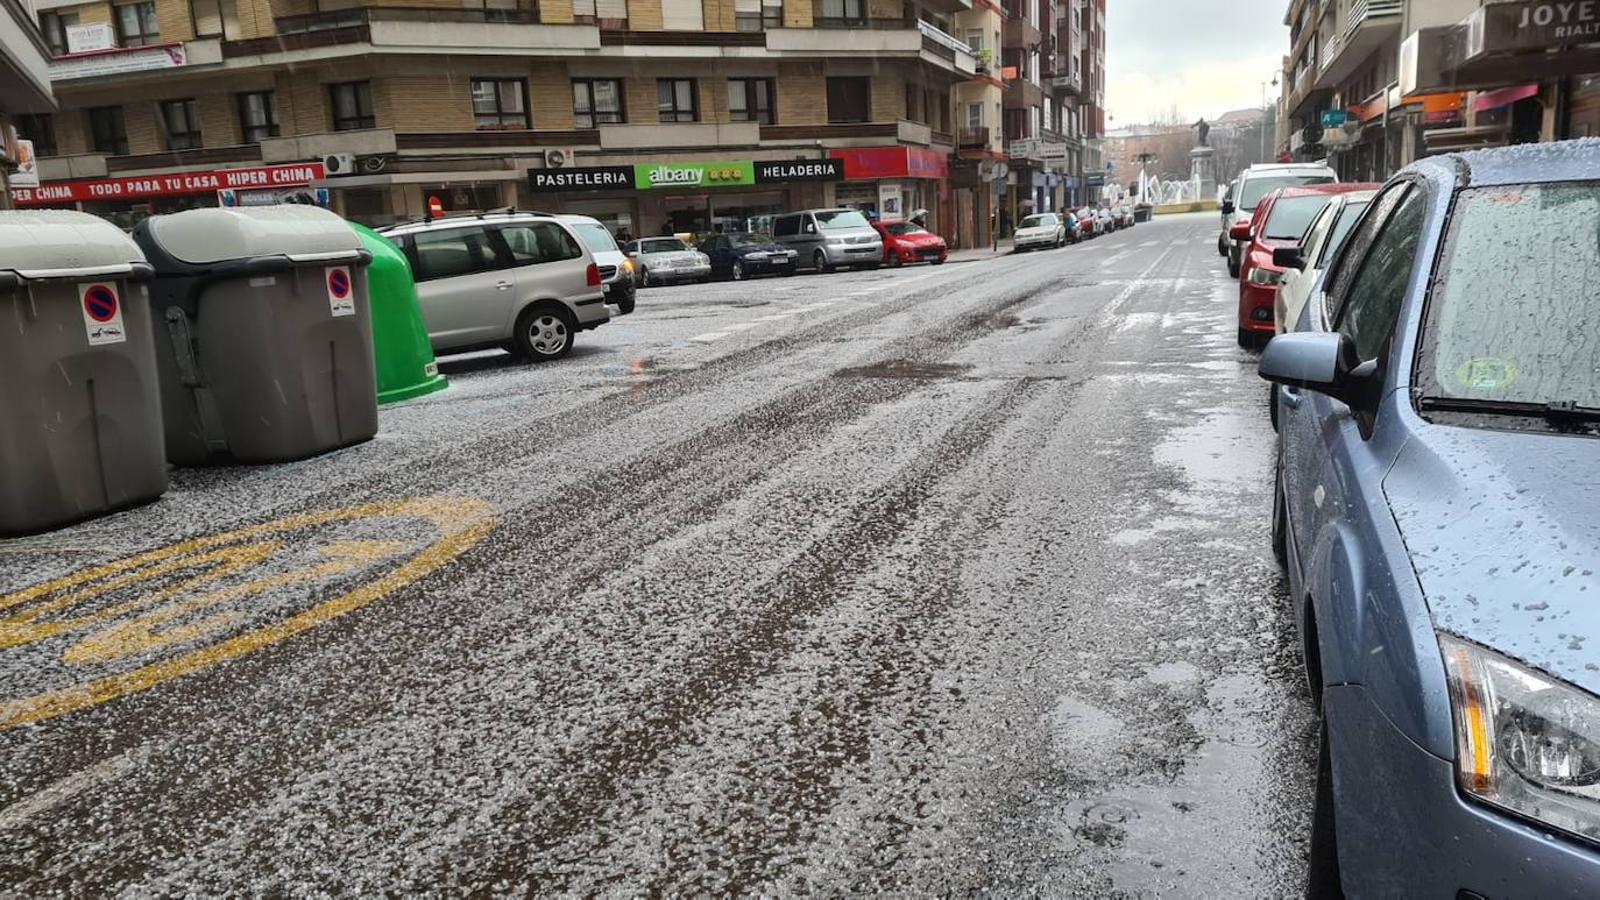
(676, 100)
(258, 116)
(106, 131)
(750, 100)
(842, 12)
(597, 101)
(499, 103)
(136, 24)
(180, 124)
(352, 105)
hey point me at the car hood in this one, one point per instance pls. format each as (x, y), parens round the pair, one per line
(1504, 534)
(676, 256)
(917, 240)
(1036, 231)
(760, 248)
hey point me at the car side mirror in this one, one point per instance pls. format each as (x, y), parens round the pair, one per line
(1321, 361)
(1288, 257)
(1240, 231)
(1227, 207)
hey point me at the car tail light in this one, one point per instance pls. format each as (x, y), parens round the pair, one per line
(592, 277)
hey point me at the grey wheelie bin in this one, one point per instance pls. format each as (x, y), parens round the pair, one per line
(80, 412)
(265, 333)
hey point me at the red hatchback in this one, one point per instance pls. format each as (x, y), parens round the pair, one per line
(908, 242)
(1280, 220)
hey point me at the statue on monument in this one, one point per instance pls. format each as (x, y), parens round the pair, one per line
(1204, 128)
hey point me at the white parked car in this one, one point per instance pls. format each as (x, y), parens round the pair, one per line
(1039, 230)
(666, 260)
(1323, 239)
(522, 281)
(1257, 182)
(1105, 222)
(616, 270)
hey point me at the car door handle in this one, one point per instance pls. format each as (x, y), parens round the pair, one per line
(502, 285)
(1292, 397)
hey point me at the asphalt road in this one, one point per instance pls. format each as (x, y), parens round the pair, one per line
(942, 580)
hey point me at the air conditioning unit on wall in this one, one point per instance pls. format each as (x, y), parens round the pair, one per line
(555, 159)
(339, 164)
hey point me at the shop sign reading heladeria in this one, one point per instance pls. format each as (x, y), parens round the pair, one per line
(143, 186)
(683, 176)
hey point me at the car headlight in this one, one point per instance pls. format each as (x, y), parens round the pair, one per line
(835, 242)
(1525, 742)
(1265, 276)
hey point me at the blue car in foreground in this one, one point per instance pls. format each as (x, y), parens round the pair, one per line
(1438, 512)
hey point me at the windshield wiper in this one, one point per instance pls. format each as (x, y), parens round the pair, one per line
(1562, 412)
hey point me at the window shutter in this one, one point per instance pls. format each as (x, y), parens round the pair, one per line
(684, 15)
(611, 9)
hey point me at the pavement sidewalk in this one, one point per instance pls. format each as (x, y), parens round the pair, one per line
(978, 254)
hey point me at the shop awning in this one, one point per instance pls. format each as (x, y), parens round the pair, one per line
(1505, 97)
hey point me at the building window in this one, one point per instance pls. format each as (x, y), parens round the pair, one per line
(54, 27)
(499, 104)
(258, 116)
(597, 101)
(974, 115)
(975, 39)
(849, 100)
(214, 18)
(757, 15)
(352, 105)
(41, 130)
(106, 131)
(136, 24)
(750, 100)
(180, 123)
(676, 100)
(843, 12)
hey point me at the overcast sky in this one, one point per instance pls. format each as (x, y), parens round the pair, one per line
(1206, 56)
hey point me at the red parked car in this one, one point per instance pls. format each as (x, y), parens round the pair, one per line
(908, 242)
(1280, 220)
(1088, 223)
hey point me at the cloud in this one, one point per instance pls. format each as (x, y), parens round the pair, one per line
(1208, 89)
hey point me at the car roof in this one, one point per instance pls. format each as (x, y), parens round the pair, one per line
(1267, 168)
(1577, 160)
(1323, 190)
(465, 220)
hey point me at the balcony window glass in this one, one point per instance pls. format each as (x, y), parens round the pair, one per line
(180, 124)
(849, 100)
(352, 105)
(689, 15)
(840, 12)
(107, 134)
(750, 100)
(258, 116)
(676, 100)
(757, 15)
(974, 115)
(136, 24)
(41, 130)
(597, 101)
(54, 27)
(215, 18)
(499, 103)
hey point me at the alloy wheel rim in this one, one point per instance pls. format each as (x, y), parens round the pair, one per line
(548, 334)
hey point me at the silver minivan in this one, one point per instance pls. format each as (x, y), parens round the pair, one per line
(826, 239)
(521, 281)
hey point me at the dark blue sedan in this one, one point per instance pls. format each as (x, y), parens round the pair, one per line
(740, 255)
(1438, 511)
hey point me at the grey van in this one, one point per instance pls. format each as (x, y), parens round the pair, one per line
(516, 280)
(825, 239)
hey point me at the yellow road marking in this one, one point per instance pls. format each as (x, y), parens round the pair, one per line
(461, 523)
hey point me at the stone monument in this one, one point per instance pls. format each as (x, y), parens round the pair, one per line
(1202, 163)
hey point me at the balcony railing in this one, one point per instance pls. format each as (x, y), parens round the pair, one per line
(941, 43)
(973, 138)
(356, 17)
(1364, 11)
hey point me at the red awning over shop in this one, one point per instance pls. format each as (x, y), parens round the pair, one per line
(872, 163)
(1505, 97)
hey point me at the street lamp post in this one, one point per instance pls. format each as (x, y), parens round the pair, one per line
(1265, 116)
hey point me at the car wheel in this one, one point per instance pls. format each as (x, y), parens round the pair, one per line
(1222, 247)
(627, 304)
(1322, 877)
(938, 261)
(819, 261)
(738, 270)
(644, 278)
(544, 333)
(895, 261)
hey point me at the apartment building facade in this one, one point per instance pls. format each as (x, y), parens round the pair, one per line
(24, 90)
(1374, 84)
(653, 115)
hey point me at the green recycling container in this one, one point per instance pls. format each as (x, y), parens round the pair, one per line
(401, 352)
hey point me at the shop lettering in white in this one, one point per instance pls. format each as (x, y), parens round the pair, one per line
(669, 175)
(581, 179)
(801, 170)
(1570, 17)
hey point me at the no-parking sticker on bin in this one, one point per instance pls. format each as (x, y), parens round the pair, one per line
(341, 291)
(102, 313)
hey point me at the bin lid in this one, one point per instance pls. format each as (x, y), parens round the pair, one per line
(301, 233)
(60, 243)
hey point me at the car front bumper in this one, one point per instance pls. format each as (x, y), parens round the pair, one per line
(1042, 240)
(1257, 305)
(681, 273)
(1405, 831)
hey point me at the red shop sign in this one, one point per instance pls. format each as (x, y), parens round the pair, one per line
(141, 186)
(892, 162)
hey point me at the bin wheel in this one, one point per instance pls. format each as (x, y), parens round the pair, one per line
(544, 333)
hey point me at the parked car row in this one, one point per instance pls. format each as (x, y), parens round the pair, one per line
(1435, 485)
(1045, 230)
